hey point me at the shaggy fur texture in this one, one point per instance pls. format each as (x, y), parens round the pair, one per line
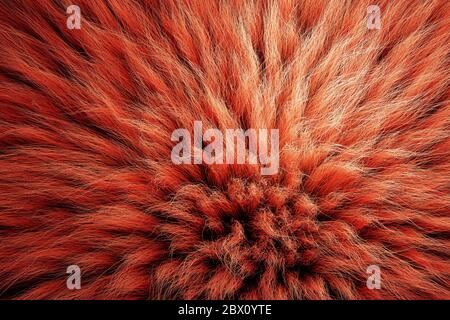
(86, 176)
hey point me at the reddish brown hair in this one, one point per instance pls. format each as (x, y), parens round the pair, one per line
(86, 176)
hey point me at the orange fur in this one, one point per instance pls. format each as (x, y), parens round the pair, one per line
(86, 176)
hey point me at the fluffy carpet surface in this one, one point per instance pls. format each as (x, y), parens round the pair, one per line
(86, 176)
